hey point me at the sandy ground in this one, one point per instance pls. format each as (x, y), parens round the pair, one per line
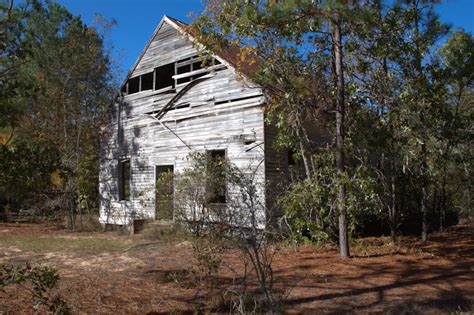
(137, 278)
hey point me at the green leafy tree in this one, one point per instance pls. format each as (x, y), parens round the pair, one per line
(453, 130)
(66, 89)
(302, 45)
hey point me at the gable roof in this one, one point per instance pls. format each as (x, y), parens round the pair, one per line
(228, 56)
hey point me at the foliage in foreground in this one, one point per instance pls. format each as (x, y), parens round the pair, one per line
(40, 281)
(239, 223)
(389, 100)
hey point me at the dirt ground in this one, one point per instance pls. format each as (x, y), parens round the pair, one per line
(111, 274)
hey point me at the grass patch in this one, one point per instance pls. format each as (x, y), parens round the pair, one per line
(84, 245)
(167, 233)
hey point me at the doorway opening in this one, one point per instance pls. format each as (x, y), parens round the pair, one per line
(164, 192)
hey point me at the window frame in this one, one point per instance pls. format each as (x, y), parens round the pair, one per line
(216, 200)
(123, 193)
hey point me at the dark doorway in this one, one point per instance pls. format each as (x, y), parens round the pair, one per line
(164, 192)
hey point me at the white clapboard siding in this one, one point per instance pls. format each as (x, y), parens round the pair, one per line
(223, 111)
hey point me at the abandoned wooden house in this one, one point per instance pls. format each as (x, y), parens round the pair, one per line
(171, 105)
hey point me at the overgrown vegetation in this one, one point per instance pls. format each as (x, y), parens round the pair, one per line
(55, 88)
(40, 281)
(384, 86)
(239, 224)
(386, 90)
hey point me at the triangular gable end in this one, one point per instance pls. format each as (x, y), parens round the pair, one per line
(164, 43)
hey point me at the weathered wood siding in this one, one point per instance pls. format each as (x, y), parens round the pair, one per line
(202, 126)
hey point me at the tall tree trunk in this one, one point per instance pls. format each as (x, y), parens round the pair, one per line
(442, 208)
(393, 205)
(340, 115)
(424, 165)
(424, 197)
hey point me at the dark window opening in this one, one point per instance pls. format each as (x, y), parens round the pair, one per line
(197, 65)
(147, 81)
(190, 65)
(124, 180)
(217, 184)
(184, 69)
(134, 85)
(164, 76)
(183, 80)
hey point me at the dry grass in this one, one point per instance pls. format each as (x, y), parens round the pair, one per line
(78, 245)
(109, 274)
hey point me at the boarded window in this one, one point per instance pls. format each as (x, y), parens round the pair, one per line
(124, 180)
(164, 76)
(217, 184)
(147, 82)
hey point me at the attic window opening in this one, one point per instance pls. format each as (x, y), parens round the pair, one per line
(184, 69)
(181, 70)
(164, 76)
(134, 85)
(192, 64)
(147, 82)
(197, 65)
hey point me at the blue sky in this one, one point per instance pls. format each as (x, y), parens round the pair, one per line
(137, 20)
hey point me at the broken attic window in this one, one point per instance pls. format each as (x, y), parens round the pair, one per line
(190, 65)
(181, 70)
(184, 69)
(147, 82)
(134, 85)
(197, 65)
(164, 76)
